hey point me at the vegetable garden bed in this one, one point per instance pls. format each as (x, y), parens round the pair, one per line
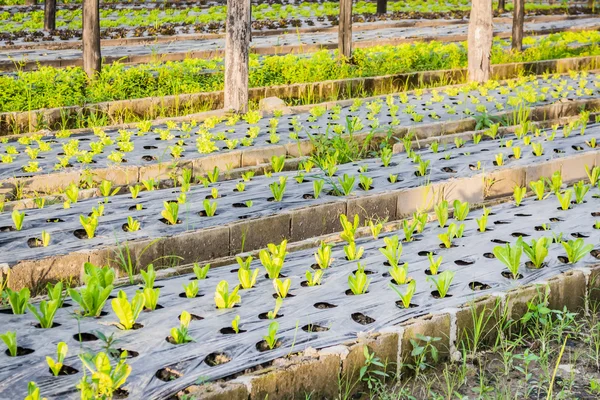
(323, 315)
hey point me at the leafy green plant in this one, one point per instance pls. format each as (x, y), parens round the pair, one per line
(46, 313)
(399, 273)
(224, 299)
(247, 277)
(170, 212)
(537, 148)
(409, 228)
(536, 251)
(519, 194)
(580, 190)
(422, 167)
(349, 228)
(347, 183)
(148, 276)
(314, 279)
(278, 188)
(365, 182)
(353, 252)
(555, 182)
(10, 340)
(127, 312)
(18, 218)
(318, 187)
(509, 256)
(461, 210)
(273, 258)
(272, 314)
(441, 212)
(499, 159)
(135, 191)
(282, 287)
(451, 233)
(104, 379)
(235, 324)
(271, 337)
(375, 229)
(191, 289)
(61, 352)
(576, 249)
(18, 300)
(201, 272)
(323, 255)
(392, 250)
(408, 295)
(564, 199)
(55, 292)
(92, 297)
(210, 207)
(89, 225)
(442, 282)
(132, 225)
(482, 222)
(434, 265)
(151, 296)
(181, 335)
(277, 163)
(539, 188)
(593, 174)
(358, 281)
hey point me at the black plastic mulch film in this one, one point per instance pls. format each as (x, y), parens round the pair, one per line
(470, 259)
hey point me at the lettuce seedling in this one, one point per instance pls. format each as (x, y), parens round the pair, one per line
(180, 335)
(61, 354)
(149, 276)
(509, 256)
(386, 156)
(564, 199)
(314, 279)
(224, 299)
(55, 292)
(451, 233)
(352, 253)
(580, 190)
(441, 212)
(89, 225)
(536, 251)
(214, 175)
(347, 183)
(423, 167)
(349, 228)
(201, 272)
(278, 188)
(537, 148)
(151, 296)
(434, 265)
(323, 255)
(133, 225)
(365, 182)
(111, 377)
(149, 184)
(519, 194)
(593, 175)
(482, 222)
(318, 187)
(46, 314)
(273, 258)
(191, 289)
(461, 210)
(375, 229)
(409, 229)
(45, 239)
(92, 297)
(272, 314)
(406, 297)
(105, 189)
(210, 207)
(517, 152)
(104, 275)
(128, 312)
(576, 249)
(399, 273)
(393, 178)
(244, 263)
(358, 282)
(555, 182)
(18, 300)
(277, 163)
(442, 282)
(282, 287)
(271, 337)
(247, 277)
(33, 392)
(18, 218)
(235, 324)
(135, 191)
(170, 212)
(539, 188)
(499, 159)
(10, 340)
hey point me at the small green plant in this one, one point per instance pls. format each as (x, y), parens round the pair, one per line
(323, 255)
(539, 188)
(406, 297)
(461, 210)
(314, 279)
(399, 274)
(564, 199)
(89, 225)
(375, 229)
(55, 292)
(273, 258)
(576, 249)
(358, 281)
(201, 272)
(170, 212)
(318, 187)
(442, 282)
(509, 256)
(224, 299)
(46, 313)
(235, 324)
(409, 229)
(210, 207)
(365, 182)
(353, 252)
(451, 233)
(61, 352)
(593, 174)
(278, 188)
(18, 300)
(537, 148)
(33, 392)
(10, 340)
(499, 159)
(151, 296)
(482, 222)
(580, 190)
(422, 167)
(392, 250)
(282, 288)
(247, 277)
(519, 194)
(536, 251)
(277, 163)
(434, 265)
(191, 289)
(349, 228)
(135, 191)
(103, 379)
(132, 225)
(555, 182)
(441, 212)
(181, 335)
(127, 312)
(347, 183)
(271, 337)
(272, 314)
(92, 297)
(105, 189)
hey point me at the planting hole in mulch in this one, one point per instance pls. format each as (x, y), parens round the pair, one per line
(7, 229)
(281, 276)
(276, 296)
(265, 315)
(239, 205)
(523, 215)
(214, 359)
(479, 286)
(509, 275)
(120, 393)
(134, 208)
(578, 235)
(314, 328)
(443, 246)
(229, 331)
(204, 214)
(501, 222)
(135, 327)
(436, 294)
(80, 234)
(362, 318)
(262, 346)
(168, 374)
(499, 241)
(530, 265)
(149, 158)
(52, 220)
(130, 353)
(34, 242)
(184, 296)
(194, 317)
(150, 147)
(595, 253)
(556, 219)
(449, 170)
(21, 351)
(325, 306)
(399, 304)
(518, 234)
(563, 259)
(425, 253)
(39, 326)
(164, 221)
(65, 370)
(367, 271)
(308, 196)
(350, 293)
(85, 337)
(463, 263)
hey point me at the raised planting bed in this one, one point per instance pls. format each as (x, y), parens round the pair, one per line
(255, 139)
(228, 217)
(319, 316)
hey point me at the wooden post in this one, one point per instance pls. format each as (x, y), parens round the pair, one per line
(49, 15)
(381, 7)
(30, 2)
(237, 43)
(345, 29)
(501, 6)
(91, 38)
(518, 21)
(480, 40)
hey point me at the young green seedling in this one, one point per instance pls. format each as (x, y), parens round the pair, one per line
(358, 282)
(10, 340)
(593, 175)
(180, 335)
(564, 199)
(18, 300)
(113, 376)
(349, 228)
(277, 163)
(482, 222)
(55, 292)
(461, 210)
(539, 188)
(442, 282)
(409, 229)
(170, 212)
(271, 337)
(247, 277)
(375, 229)
(580, 190)
(519, 194)
(61, 352)
(46, 313)
(406, 297)
(576, 249)
(441, 212)
(127, 312)
(282, 288)
(18, 218)
(392, 250)
(201, 272)
(210, 207)
(278, 188)
(434, 265)
(151, 296)
(510, 256)
(318, 187)
(132, 225)
(347, 184)
(352, 252)
(555, 182)
(235, 324)
(314, 279)
(273, 258)
(224, 299)
(191, 289)
(272, 314)
(399, 274)
(135, 191)
(536, 251)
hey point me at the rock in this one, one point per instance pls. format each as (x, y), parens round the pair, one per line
(270, 104)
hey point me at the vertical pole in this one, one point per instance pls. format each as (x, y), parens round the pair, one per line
(518, 21)
(381, 7)
(480, 40)
(345, 29)
(91, 38)
(237, 43)
(501, 6)
(49, 15)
